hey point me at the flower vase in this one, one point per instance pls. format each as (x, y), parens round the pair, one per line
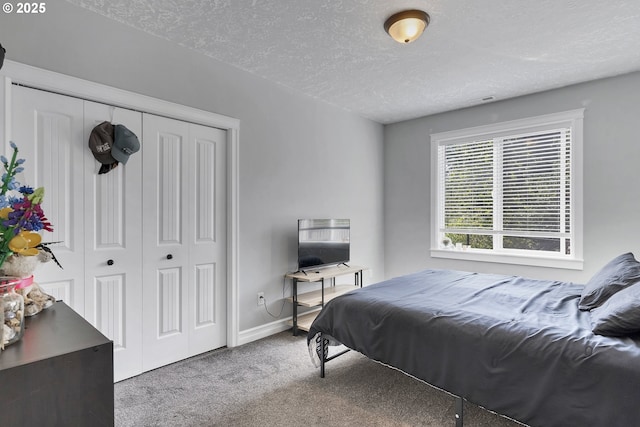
(12, 311)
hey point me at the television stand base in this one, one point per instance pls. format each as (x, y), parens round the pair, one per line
(320, 296)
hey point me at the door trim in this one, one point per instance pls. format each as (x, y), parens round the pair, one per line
(14, 72)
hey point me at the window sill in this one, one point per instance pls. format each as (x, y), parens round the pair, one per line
(502, 258)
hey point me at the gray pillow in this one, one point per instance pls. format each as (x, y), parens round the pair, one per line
(620, 314)
(620, 272)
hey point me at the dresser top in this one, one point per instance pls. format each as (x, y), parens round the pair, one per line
(54, 331)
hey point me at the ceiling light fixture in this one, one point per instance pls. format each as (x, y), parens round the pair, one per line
(406, 26)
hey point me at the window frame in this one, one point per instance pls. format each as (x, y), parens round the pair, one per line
(572, 119)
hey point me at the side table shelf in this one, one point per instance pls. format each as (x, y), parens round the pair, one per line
(318, 297)
(305, 320)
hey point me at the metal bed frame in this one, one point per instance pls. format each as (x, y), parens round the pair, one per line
(322, 348)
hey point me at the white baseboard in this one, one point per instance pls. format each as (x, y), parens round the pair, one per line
(263, 331)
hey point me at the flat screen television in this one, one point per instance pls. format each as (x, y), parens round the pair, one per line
(323, 242)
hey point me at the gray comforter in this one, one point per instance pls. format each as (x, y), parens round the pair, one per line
(516, 346)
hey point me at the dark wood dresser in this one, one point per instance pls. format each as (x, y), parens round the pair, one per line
(59, 374)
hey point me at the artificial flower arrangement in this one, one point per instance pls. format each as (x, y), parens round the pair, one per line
(21, 215)
(21, 218)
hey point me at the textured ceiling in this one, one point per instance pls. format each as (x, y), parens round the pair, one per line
(337, 50)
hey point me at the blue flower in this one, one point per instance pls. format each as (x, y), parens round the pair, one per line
(12, 184)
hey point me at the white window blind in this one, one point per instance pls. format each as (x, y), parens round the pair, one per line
(467, 175)
(536, 173)
(508, 190)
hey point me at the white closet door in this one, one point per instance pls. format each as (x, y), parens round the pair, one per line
(165, 191)
(47, 128)
(206, 224)
(144, 246)
(113, 244)
(184, 269)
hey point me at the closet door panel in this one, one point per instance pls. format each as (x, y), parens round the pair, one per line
(48, 129)
(170, 289)
(169, 190)
(207, 238)
(205, 296)
(165, 310)
(109, 309)
(113, 244)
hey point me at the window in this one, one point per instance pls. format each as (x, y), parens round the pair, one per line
(510, 192)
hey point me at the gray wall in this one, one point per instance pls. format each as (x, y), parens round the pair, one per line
(611, 178)
(298, 157)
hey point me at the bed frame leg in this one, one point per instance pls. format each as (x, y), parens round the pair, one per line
(459, 411)
(323, 353)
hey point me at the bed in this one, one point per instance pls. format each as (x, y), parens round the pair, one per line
(520, 347)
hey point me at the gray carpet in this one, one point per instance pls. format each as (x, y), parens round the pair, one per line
(272, 382)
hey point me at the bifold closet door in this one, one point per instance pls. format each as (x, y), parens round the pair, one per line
(144, 246)
(96, 218)
(184, 271)
(47, 128)
(207, 239)
(113, 244)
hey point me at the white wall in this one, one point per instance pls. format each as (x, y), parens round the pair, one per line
(611, 178)
(298, 157)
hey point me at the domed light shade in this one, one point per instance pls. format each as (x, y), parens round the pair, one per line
(406, 26)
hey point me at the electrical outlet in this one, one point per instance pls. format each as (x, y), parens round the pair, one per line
(260, 298)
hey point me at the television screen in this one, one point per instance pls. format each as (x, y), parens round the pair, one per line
(322, 242)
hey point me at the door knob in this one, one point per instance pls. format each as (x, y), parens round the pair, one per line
(169, 256)
(110, 262)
